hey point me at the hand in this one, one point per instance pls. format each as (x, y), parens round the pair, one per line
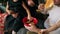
(13, 32)
(31, 3)
(41, 7)
(44, 31)
(31, 28)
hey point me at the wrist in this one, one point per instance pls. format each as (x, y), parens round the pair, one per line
(47, 30)
(38, 31)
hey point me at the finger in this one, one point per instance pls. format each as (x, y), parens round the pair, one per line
(42, 31)
(32, 24)
(38, 6)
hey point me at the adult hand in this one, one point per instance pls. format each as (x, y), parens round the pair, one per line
(44, 31)
(41, 7)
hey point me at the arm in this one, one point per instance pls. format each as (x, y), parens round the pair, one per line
(27, 10)
(7, 9)
(46, 31)
(54, 27)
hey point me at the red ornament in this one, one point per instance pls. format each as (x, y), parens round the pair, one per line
(34, 20)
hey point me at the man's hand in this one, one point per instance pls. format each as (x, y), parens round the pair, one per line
(44, 31)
